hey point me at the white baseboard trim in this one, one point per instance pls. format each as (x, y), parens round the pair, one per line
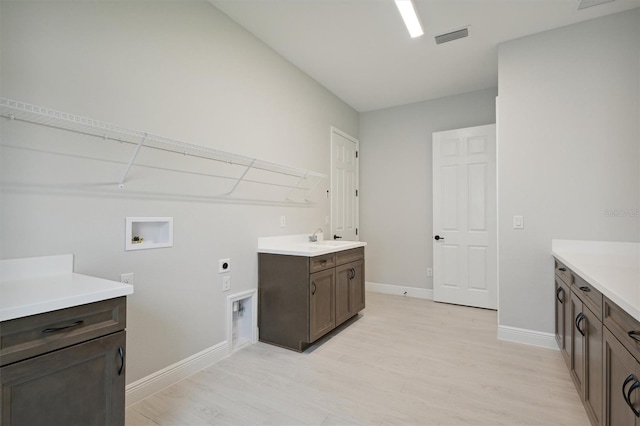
(528, 337)
(161, 379)
(420, 293)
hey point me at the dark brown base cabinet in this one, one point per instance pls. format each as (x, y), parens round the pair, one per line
(301, 299)
(64, 367)
(598, 339)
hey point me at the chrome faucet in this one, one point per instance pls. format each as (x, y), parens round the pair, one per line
(313, 238)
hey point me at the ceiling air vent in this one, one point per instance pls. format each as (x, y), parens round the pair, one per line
(453, 35)
(583, 4)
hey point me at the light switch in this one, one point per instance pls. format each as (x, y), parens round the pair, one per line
(518, 222)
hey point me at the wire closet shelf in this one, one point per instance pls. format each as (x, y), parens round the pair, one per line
(21, 111)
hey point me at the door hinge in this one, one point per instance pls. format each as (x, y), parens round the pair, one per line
(356, 154)
(356, 192)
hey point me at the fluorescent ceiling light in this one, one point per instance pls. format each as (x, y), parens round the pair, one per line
(410, 17)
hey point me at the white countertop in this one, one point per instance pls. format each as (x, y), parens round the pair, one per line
(38, 285)
(613, 268)
(299, 245)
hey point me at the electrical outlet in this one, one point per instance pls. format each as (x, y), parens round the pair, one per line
(429, 272)
(283, 221)
(224, 265)
(226, 283)
(126, 278)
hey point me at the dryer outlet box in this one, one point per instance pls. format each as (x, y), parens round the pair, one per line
(224, 266)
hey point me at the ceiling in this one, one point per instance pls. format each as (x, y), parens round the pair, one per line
(361, 51)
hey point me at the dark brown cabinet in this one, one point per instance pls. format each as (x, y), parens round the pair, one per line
(563, 319)
(563, 315)
(301, 299)
(349, 290)
(621, 387)
(65, 367)
(603, 344)
(586, 352)
(322, 312)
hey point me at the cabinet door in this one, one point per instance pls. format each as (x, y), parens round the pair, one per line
(322, 312)
(561, 295)
(78, 385)
(577, 344)
(620, 374)
(356, 287)
(568, 326)
(343, 293)
(592, 328)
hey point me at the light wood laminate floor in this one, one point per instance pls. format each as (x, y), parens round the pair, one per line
(404, 361)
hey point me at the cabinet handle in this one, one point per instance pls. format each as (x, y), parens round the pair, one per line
(562, 269)
(585, 289)
(323, 262)
(352, 273)
(64, 327)
(558, 291)
(627, 398)
(313, 283)
(629, 378)
(121, 354)
(579, 319)
(634, 335)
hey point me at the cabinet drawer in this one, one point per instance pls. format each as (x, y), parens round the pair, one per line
(347, 256)
(589, 295)
(27, 337)
(319, 263)
(623, 326)
(563, 272)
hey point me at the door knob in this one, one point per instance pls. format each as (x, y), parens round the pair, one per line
(438, 237)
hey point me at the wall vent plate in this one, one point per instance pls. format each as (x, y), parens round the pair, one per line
(453, 35)
(583, 4)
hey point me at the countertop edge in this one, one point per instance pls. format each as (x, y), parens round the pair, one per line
(307, 253)
(602, 288)
(68, 301)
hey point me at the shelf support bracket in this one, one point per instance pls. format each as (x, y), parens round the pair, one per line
(241, 178)
(133, 158)
(306, 197)
(302, 178)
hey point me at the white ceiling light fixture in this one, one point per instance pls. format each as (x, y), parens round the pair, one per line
(410, 17)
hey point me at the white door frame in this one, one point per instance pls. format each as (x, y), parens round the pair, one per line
(335, 131)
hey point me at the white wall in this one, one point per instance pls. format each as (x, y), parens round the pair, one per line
(178, 69)
(396, 182)
(568, 136)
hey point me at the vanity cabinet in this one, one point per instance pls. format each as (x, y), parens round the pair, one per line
(64, 367)
(301, 299)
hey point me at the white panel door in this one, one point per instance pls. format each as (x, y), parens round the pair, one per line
(465, 216)
(344, 186)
